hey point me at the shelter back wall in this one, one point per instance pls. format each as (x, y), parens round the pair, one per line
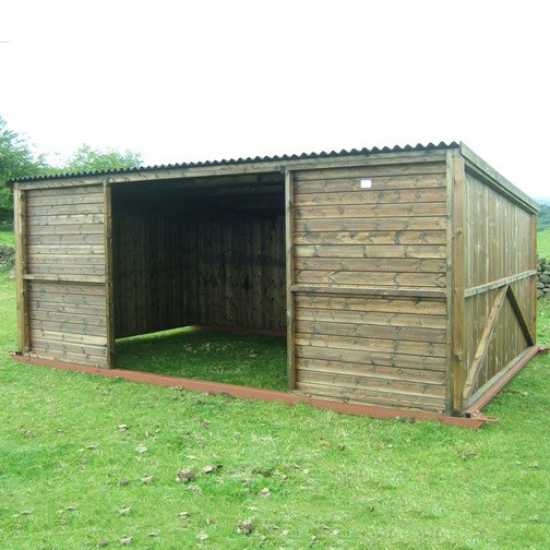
(177, 262)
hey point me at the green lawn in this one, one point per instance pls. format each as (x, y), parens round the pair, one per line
(543, 243)
(258, 361)
(6, 235)
(87, 461)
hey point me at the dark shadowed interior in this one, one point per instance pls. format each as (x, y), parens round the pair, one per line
(204, 252)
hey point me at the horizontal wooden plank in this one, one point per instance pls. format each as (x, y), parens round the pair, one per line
(60, 259)
(372, 171)
(66, 269)
(70, 357)
(38, 203)
(79, 239)
(371, 210)
(67, 219)
(63, 307)
(378, 183)
(399, 361)
(355, 380)
(368, 369)
(368, 382)
(67, 249)
(474, 291)
(371, 224)
(39, 210)
(393, 238)
(75, 318)
(372, 344)
(391, 265)
(57, 192)
(367, 304)
(38, 289)
(377, 397)
(392, 332)
(71, 328)
(68, 337)
(56, 299)
(36, 231)
(371, 196)
(371, 317)
(357, 278)
(371, 251)
(365, 290)
(65, 278)
(43, 344)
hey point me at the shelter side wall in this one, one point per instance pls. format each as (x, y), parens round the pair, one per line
(65, 274)
(500, 291)
(195, 266)
(369, 289)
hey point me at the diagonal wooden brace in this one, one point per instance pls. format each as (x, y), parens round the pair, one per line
(485, 340)
(529, 336)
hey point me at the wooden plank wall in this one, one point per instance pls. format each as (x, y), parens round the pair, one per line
(350, 241)
(181, 259)
(65, 263)
(498, 239)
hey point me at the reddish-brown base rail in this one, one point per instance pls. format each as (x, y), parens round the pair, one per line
(472, 419)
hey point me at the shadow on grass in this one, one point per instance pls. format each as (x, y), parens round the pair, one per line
(190, 352)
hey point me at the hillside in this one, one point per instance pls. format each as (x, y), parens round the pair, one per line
(544, 216)
(543, 243)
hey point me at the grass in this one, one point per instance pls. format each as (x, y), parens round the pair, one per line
(72, 476)
(543, 243)
(258, 361)
(6, 235)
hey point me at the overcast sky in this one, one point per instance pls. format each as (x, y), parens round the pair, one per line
(198, 80)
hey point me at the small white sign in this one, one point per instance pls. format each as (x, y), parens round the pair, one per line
(366, 183)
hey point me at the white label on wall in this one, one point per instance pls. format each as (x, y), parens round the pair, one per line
(366, 183)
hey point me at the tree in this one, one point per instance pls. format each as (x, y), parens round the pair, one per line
(86, 159)
(16, 159)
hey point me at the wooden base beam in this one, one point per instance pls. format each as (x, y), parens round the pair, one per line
(245, 392)
(489, 390)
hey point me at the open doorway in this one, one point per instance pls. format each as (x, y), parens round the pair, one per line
(199, 278)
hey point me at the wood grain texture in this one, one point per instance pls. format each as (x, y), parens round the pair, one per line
(184, 261)
(362, 342)
(67, 274)
(499, 251)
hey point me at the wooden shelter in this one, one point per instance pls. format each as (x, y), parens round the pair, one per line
(403, 277)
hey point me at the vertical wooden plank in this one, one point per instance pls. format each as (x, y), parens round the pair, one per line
(108, 232)
(20, 213)
(533, 281)
(457, 191)
(289, 237)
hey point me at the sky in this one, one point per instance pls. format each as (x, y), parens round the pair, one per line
(200, 80)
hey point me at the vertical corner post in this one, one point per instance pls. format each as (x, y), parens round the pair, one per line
(456, 280)
(108, 232)
(289, 247)
(22, 300)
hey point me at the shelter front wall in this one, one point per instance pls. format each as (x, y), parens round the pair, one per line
(65, 258)
(390, 237)
(181, 259)
(499, 242)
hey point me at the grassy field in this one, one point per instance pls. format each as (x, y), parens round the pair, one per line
(258, 361)
(88, 462)
(543, 243)
(6, 235)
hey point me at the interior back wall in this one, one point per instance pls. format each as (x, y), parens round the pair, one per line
(181, 261)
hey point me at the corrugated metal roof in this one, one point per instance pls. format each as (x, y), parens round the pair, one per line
(248, 160)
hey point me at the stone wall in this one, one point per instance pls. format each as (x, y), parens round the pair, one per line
(543, 278)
